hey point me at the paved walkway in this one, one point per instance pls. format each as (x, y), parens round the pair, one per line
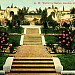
(32, 51)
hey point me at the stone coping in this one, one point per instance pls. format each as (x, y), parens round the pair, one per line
(2, 72)
(68, 72)
(43, 40)
(57, 64)
(8, 64)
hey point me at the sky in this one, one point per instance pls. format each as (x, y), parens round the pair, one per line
(33, 4)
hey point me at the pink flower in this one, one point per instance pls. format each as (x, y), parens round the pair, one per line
(3, 33)
(66, 34)
(69, 32)
(59, 37)
(67, 44)
(1, 41)
(63, 41)
(67, 38)
(63, 31)
(63, 35)
(7, 44)
(7, 38)
(60, 42)
(3, 38)
(71, 39)
(0, 46)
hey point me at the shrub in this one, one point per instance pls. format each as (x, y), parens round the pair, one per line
(15, 30)
(14, 40)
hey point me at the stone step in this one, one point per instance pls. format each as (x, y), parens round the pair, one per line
(32, 31)
(32, 43)
(33, 62)
(33, 59)
(36, 70)
(33, 66)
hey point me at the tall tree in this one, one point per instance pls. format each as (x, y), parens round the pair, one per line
(72, 11)
(0, 7)
(12, 5)
(39, 11)
(63, 8)
(44, 18)
(25, 10)
(51, 22)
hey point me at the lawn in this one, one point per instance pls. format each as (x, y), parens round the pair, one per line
(51, 39)
(2, 60)
(68, 61)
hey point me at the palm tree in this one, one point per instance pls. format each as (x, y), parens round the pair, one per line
(39, 11)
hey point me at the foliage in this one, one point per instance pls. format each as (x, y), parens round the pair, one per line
(39, 11)
(2, 61)
(65, 40)
(25, 22)
(15, 30)
(66, 25)
(44, 18)
(3, 41)
(68, 61)
(14, 40)
(53, 31)
(51, 22)
(38, 23)
(51, 39)
(72, 11)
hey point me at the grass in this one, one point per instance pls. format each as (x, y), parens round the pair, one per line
(68, 61)
(2, 60)
(15, 40)
(51, 39)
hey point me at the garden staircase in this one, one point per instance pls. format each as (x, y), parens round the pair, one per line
(32, 37)
(33, 65)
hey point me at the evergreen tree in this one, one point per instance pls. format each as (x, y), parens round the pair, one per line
(0, 7)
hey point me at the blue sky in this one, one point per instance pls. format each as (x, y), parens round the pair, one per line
(32, 6)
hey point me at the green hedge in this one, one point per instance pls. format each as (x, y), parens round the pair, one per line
(15, 40)
(68, 61)
(2, 61)
(52, 31)
(51, 39)
(15, 30)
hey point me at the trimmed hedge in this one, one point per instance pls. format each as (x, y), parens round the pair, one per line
(68, 61)
(52, 31)
(2, 61)
(15, 30)
(51, 39)
(15, 40)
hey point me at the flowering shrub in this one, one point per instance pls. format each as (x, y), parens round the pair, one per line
(3, 40)
(66, 39)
